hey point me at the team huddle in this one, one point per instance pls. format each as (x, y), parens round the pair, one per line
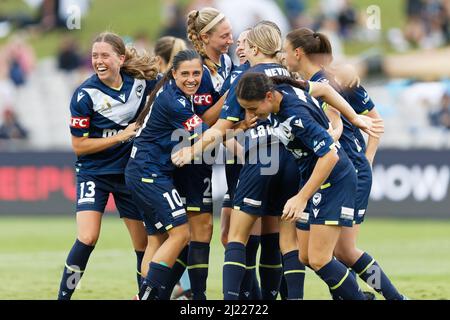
(287, 125)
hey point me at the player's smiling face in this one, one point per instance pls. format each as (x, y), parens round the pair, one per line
(292, 57)
(106, 62)
(240, 50)
(188, 76)
(221, 38)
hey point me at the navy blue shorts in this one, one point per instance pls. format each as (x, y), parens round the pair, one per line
(232, 171)
(159, 203)
(93, 193)
(193, 181)
(333, 204)
(364, 175)
(266, 194)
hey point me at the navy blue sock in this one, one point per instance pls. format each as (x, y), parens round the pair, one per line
(370, 271)
(233, 270)
(139, 257)
(198, 260)
(283, 288)
(270, 267)
(251, 250)
(73, 271)
(156, 281)
(340, 281)
(352, 273)
(175, 275)
(256, 290)
(294, 273)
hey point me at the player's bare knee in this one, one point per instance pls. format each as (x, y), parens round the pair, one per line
(340, 254)
(88, 239)
(317, 261)
(303, 257)
(224, 238)
(202, 233)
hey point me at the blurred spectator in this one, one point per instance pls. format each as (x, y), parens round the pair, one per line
(347, 18)
(141, 42)
(54, 13)
(69, 56)
(427, 23)
(7, 89)
(174, 20)
(441, 117)
(295, 12)
(21, 59)
(11, 127)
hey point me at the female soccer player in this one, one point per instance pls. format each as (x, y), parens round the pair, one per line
(149, 173)
(103, 111)
(250, 287)
(303, 129)
(210, 33)
(165, 49)
(306, 53)
(262, 44)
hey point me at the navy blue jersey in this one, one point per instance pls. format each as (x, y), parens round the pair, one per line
(210, 87)
(361, 102)
(233, 76)
(98, 111)
(352, 143)
(231, 109)
(303, 129)
(171, 110)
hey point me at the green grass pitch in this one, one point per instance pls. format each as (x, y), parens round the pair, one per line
(414, 253)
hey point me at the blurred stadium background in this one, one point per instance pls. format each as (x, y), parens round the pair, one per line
(399, 47)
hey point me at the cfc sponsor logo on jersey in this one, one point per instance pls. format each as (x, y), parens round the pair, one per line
(202, 99)
(193, 122)
(79, 122)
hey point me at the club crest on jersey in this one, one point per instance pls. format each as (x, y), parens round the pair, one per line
(193, 122)
(79, 122)
(316, 199)
(202, 99)
(139, 90)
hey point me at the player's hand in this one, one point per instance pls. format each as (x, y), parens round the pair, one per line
(373, 127)
(250, 119)
(129, 133)
(182, 157)
(294, 208)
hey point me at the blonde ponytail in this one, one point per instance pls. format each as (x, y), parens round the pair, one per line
(197, 21)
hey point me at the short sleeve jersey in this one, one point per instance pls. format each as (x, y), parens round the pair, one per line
(351, 139)
(303, 128)
(211, 84)
(233, 76)
(171, 118)
(231, 109)
(98, 111)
